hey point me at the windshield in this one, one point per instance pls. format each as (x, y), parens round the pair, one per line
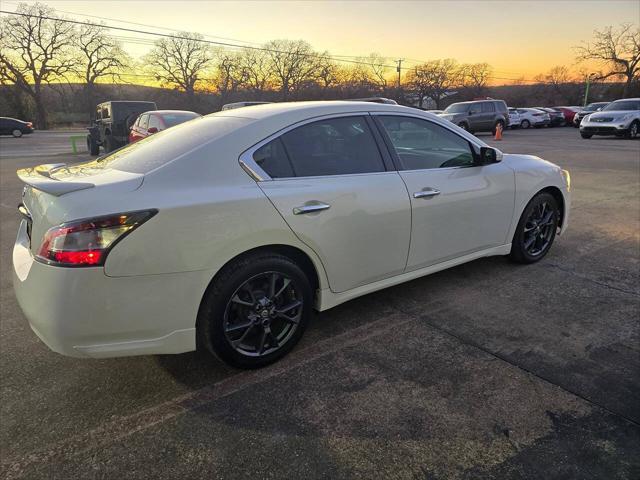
(457, 108)
(172, 119)
(623, 105)
(592, 107)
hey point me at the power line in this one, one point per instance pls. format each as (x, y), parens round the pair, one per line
(180, 37)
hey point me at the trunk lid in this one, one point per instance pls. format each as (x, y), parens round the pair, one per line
(49, 196)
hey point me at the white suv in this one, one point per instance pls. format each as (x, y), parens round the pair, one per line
(619, 118)
(226, 231)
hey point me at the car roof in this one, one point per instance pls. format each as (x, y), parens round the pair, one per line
(310, 109)
(161, 112)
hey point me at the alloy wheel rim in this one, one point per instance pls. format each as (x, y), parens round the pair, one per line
(538, 229)
(634, 130)
(262, 314)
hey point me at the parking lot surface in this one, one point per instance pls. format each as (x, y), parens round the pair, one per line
(490, 370)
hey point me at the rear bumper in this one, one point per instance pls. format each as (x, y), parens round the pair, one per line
(81, 312)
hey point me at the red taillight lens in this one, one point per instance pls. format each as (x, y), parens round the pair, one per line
(86, 243)
(29, 124)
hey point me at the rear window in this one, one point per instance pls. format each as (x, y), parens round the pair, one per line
(160, 149)
(172, 119)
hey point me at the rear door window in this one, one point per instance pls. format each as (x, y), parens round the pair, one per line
(273, 159)
(336, 146)
(144, 121)
(488, 107)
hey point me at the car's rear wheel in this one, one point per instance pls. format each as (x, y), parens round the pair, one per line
(525, 124)
(255, 311)
(586, 135)
(634, 130)
(17, 133)
(536, 229)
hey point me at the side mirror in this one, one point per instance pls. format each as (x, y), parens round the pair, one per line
(152, 130)
(489, 155)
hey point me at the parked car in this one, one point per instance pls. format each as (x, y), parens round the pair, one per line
(556, 118)
(112, 124)
(15, 127)
(592, 107)
(569, 113)
(227, 231)
(478, 116)
(152, 122)
(514, 118)
(532, 117)
(619, 118)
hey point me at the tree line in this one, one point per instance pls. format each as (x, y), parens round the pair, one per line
(40, 48)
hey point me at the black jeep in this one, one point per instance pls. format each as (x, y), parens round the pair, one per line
(113, 122)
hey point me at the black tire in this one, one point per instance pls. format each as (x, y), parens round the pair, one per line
(634, 130)
(586, 135)
(464, 126)
(521, 248)
(223, 297)
(525, 124)
(16, 132)
(92, 146)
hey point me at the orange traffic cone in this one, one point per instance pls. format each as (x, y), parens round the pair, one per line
(498, 135)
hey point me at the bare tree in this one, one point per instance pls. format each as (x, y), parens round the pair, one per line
(180, 61)
(434, 79)
(476, 77)
(379, 70)
(229, 75)
(328, 74)
(255, 66)
(100, 56)
(616, 49)
(35, 51)
(292, 63)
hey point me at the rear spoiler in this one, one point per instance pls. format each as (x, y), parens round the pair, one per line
(40, 178)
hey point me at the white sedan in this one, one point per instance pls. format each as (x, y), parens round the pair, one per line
(226, 231)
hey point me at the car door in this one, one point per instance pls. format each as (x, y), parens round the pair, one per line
(458, 207)
(341, 196)
(488, 115)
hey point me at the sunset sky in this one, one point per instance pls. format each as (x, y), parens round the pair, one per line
(518, 38)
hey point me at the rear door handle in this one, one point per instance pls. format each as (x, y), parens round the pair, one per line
(314, 207)
(427, 192)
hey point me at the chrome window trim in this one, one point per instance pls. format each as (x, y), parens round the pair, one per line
(254, 170)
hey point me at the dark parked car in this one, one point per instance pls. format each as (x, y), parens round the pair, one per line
(478, 115)
(592, 107)
(556, 118)
(152, 122)
(113, 122)
(15, 127)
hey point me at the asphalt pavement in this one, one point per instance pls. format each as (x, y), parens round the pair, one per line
(490, 370)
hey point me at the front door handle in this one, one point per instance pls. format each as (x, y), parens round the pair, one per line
(314, 207)
(428, 192)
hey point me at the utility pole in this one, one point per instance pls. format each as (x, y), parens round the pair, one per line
(399, 70)
(586, 91)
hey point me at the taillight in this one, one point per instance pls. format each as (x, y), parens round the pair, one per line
(86, 243)
(29, 124)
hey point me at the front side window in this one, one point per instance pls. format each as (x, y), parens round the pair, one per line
(420, 144)
(336, 146)
(144, 121)
(154, 122)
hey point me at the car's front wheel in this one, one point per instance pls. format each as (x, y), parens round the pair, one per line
(255, 311)
(634, 130)
(525, 124)
(536, 229)
(17, 133)
(586, 135)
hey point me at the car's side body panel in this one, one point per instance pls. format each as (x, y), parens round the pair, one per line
(363, 236)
